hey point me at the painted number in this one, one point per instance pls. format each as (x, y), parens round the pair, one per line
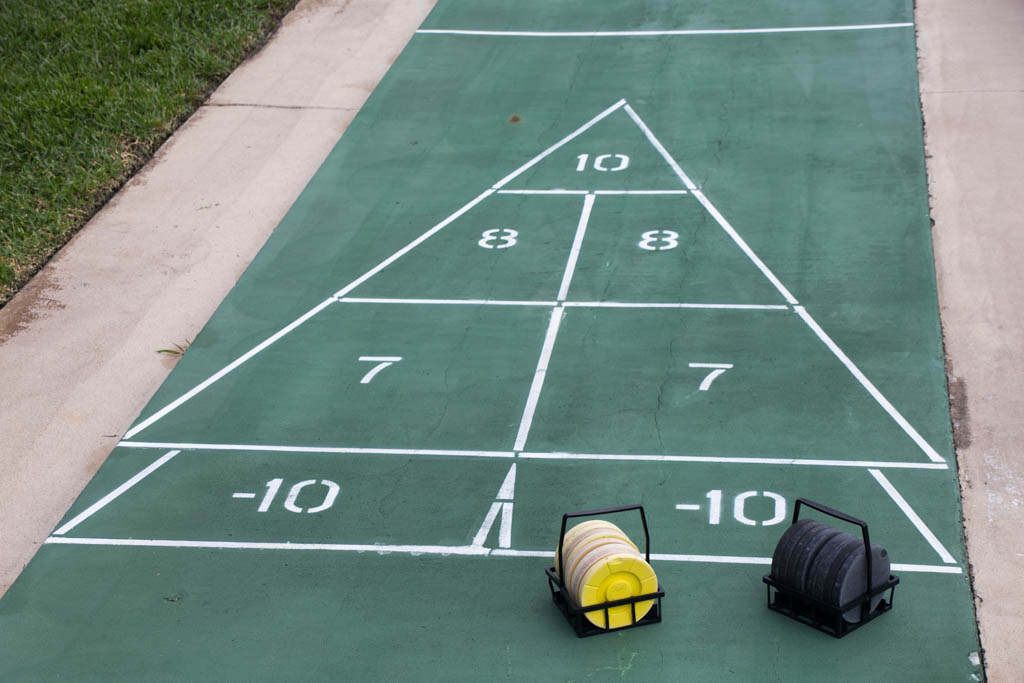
(381, 363)
(659, 240)
(739, 507)
(498, 238)
(290, 504)
(716, 370)
(601, 162)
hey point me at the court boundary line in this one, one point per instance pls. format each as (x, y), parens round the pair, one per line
(662, 32)
(567, 304)
(531, 455)
(110, 497)
(382, 549)
(918, 523)
(868, 386)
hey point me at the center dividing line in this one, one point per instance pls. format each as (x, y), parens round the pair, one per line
(102, 502)
(553, 325)
(538, 378)
(577, 243)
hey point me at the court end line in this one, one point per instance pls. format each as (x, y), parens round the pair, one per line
(913, 517)
(585, 127)
(314, 449)
(574, 304)
(577, 244)
(442, 550)
(447, 302)
(538, 378)
(105, 500)
(734, 461)
(709, 207)
(866, 383)
(257, 545)
(656, 33)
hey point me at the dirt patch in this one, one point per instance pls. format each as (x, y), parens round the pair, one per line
(958, 410)
(32, 303)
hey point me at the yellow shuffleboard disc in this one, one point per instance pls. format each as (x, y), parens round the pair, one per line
(617, 576)
(591, 559)
(587, 541)
(571, 534)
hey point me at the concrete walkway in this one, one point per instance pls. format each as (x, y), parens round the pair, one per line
(972, 89)
(78, 345)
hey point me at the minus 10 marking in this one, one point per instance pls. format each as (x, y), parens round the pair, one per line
(291, 500)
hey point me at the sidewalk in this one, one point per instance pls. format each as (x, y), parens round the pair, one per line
(972, 90)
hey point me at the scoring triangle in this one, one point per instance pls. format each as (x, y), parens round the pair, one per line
(612, 155)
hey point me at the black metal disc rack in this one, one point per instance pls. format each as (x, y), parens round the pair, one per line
(574, 613)
(823, 616)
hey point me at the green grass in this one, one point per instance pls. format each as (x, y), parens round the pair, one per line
(88, 90)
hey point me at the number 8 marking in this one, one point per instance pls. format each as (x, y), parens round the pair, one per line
(651, 237)
(492, 236)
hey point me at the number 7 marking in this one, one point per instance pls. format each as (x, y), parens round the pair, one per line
(716, 370)
(381, 361)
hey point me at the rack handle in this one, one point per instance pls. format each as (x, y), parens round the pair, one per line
(604, 511)
(832, 512)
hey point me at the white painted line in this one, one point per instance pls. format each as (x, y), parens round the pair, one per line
(228, 368)
(505, 531)
(574, 304)
(314, 449)
(446, 302)
(102, 502)
(577, 244)
(559, 191)
(720, 559)
(538, 378)
(243, 495)
(623, 304)
(485, 528)
(735, 461)
(412, 245)
(381, 359)
(249, 545)
(897, 567)
(724, 366)
(720, 219)
(687, 506)
(508, 486)
(552, 191)
(649, 134)
(913, 517)
(585, 127)
(866, 383)
(709, 207)
(640, 192)
(657, 33)
(442, 550)
(506, 552)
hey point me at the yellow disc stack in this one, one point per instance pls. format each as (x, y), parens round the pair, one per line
(603, 565)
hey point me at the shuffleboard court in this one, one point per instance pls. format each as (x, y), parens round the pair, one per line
(566, 257)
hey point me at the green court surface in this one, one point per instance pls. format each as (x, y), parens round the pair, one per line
(568, 256)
